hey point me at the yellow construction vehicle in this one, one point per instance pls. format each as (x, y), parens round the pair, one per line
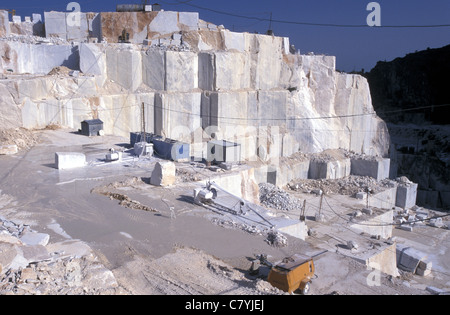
(292, 274)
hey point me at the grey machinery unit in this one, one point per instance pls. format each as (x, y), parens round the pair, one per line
(92, 127)
(223, 151)
(172, 150)
(164, 148)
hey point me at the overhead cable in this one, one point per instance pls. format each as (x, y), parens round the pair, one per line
(310, 23)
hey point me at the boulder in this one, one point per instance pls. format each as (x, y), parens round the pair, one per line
(11, 257)
(92, 59)
(437, 222)
(68, 160)
(234, 41)
(377, 168)
(34, 238)
(408, 259)
(424, 268)
(8, 149)
(406, 195)
(164, 174)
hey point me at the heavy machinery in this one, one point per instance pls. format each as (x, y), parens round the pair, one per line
(292, 274)
(125, 37)
(208, 196)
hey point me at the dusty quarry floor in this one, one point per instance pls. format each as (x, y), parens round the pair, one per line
(177, 249)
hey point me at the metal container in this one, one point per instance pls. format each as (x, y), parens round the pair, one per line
(143, 149)
(113, 156)
(92, 127)
(172, 150)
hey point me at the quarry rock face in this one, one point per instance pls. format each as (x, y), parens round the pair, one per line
(194, 79)
(395, 85)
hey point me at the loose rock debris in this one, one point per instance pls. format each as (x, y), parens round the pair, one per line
(276, 198)
(276, 239)
(348, 186)
(23, 138)
(30, 265)
(189, 271)
(124, 200)
(273, 238)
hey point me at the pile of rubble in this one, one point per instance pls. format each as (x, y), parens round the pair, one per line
(276, 239)
(404, 181)
(240, 226)
(60, 71)
(360, 156)
(20, 137)
(407, 219)
(349, 186)
(273, 238)
(185, 175)
(30, 265)
(328, 156)
(273, 197)
(168, 47)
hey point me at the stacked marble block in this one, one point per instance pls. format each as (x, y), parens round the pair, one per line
(375, 167)
(69, 160)
(334, 169)
(406, 195)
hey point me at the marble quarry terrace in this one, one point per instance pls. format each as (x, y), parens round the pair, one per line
(194, 78)
(286, 117)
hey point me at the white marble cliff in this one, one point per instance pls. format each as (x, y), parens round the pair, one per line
(194, 78)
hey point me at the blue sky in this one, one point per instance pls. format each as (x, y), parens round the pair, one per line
(354, 47)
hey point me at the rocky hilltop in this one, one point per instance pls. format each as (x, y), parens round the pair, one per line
(419, 138)
(417, 80)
